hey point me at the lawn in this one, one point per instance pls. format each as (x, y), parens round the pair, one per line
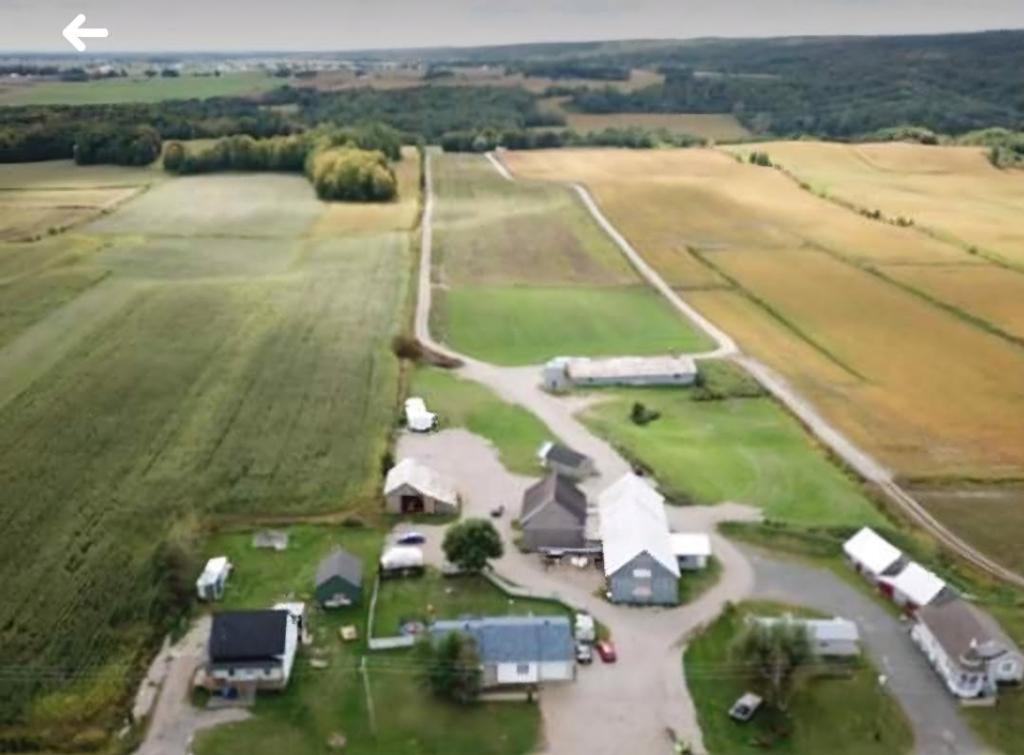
(837, 713)
(522, 325)
(228, 361)
(136, 89)
(322, 702)
(747, 450)
(514, 259)
(515, 432)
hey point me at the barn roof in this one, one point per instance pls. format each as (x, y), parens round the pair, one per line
(553, 490)
(871, 550)
(422, 478)
(621, 368)
(633, 521)
(917, 583)
(968, 636)
(515, 639)
(340, 563)
(247, 635)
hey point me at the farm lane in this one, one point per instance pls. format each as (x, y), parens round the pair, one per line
(939, 728)
(615, 699)
(860, 461)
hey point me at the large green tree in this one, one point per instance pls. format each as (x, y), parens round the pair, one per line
(471, 543)
(774, 653)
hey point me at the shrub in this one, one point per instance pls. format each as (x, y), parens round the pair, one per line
(352, 174)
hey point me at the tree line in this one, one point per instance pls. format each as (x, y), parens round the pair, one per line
(485, 140)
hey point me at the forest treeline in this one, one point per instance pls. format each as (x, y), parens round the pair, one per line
(632, 138)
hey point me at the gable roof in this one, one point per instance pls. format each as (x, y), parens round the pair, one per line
(871, 550)
(690, 544)
(515, 639)
(422, 478)
(553, 490)
(968, 636)
(563, 455)
(247, 635)
(340, 563)
(633, 521)
(917, 583)
(625, 368)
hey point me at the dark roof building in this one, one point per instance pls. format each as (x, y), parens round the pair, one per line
(238, 636)
(339, 580)
(565, 461)
(553, 515)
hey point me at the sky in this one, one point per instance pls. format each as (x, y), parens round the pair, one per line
(232, 25)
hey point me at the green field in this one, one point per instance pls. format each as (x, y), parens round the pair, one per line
(515, 432)
(135, 89)
(523, 274)
(223, 358)
(434, 597)
(840, 710)
(742, 449)
(322, 702)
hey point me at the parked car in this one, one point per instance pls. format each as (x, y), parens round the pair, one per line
(584, 653)
(744, 709)
(498, 511)
(606, 650)
(411, 538)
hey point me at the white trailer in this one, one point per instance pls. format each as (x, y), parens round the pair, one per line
(210, 584)
(417, 418)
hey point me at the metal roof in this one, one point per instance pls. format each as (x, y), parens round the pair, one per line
(917, 583)
(968, 636)
(690, 544)
(871, 550)
(340, 563)
(633, 521)
(422, 478)
(515, 639)
(247, 635)
(553, 490)
(621, 368)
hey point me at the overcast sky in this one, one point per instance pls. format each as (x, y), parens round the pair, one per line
(155, 25)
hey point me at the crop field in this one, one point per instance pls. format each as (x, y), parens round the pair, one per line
(523, 274)
(915, 370)
(720, 127)
(202, 350)
(135, 89)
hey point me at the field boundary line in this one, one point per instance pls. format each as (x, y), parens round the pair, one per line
(866, 466)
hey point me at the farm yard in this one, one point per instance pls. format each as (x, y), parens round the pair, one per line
(803, 284)
(523, 274)
(210, 348)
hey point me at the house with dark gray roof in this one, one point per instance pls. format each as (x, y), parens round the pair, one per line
(518, 650)
(565, 461)
(339, 580)
(251, 650)
(554, 515)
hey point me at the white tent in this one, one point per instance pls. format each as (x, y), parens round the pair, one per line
(871, 553)
(915, 586)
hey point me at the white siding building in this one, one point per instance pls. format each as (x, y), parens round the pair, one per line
(564, 373)
(692, 550)
(252, 650)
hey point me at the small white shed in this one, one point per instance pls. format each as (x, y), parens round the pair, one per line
(210, 584)
(691, 549)
(417, 418)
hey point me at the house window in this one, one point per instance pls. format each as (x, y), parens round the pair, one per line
(641, 573)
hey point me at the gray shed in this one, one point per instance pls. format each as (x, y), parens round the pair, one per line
(565, 461)
(554, 515)
(339, 580)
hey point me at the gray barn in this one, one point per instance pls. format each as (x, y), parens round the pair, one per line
(644, 579)
(554, 515)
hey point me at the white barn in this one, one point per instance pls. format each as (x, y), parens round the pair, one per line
(871, 554)
(692, 550)
(414, 488)
(563, 373)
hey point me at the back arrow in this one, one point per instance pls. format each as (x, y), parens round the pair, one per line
(74, 32)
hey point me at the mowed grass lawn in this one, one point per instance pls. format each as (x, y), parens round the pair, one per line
(235, 368)
(845, 712)
(514, 431)
(322, 702)
(524, 274)
(136, 89)
(742, 449)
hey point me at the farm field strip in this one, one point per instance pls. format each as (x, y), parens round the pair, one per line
(135, 89)
(524, 274)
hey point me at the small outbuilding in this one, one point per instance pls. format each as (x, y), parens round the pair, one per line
(564, 461)
(912, 587)
(417, 418)
(414, 488)
(518, 650)
(276, 540)
(339, 580)
(210, 584)
(692, 550)
(872, 555)
(554, 515)
(564, 373)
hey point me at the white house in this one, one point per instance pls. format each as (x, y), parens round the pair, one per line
(563, 373)
(967, 648)
(518, 650)
(832, 638)
(414, 488)
(210, 584)
(252, 650)
(912, 587)
(638, 560)
(691, 549)
(871, 554)
(417, 418)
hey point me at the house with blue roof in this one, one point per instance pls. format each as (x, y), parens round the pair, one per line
(518, 650)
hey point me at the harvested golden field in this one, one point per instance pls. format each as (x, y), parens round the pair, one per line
(721, 127)
(953, 191)
(925, 390)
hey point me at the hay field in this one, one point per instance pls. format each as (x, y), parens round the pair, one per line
(954, 191)
(720, 127)
(923, 389)
(135, 89)
(239, 367)
(523, 274)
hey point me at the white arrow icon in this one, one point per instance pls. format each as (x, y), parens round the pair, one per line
(74, 32)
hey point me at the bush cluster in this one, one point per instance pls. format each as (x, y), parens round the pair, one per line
(135, 145)
(352, 174)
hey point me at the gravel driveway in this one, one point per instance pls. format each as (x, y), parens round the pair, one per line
(939, 728)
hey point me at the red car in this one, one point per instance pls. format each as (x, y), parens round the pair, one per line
(606, 650)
